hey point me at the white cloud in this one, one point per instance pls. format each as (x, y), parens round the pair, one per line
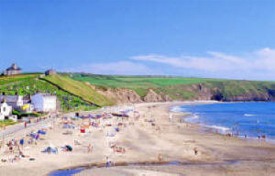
(263, 59)
(256, 65)
(116, 68)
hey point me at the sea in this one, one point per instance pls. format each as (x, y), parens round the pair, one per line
(245, 119)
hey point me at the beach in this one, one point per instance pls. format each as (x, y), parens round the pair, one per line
(148, 142)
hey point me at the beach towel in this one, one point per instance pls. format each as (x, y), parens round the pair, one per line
(41, 132)
(50, 149)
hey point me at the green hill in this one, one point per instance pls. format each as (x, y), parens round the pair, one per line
(179, 88)
(86, 91)
(67, 90)
(79, 89)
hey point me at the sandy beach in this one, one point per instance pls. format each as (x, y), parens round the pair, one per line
(147, 136)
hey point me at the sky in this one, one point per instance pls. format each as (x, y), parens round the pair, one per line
(191, 38)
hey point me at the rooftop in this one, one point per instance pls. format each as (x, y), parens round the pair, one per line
(13, 67)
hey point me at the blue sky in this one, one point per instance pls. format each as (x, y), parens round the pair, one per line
(201, 38)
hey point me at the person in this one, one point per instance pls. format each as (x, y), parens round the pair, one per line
(10, 146)
(25, 124)
(21, 142)
(108, 162)
(21, 154)
(170, 117)
(36, 138)
(160, 158)
(196, 151)
(90, 148)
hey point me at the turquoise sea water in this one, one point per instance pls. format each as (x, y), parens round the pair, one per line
(252, 119)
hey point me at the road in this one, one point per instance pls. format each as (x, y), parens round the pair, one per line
(19, 129)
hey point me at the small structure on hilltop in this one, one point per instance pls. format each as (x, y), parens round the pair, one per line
(13, 70)
(44, 102)
(50, 72)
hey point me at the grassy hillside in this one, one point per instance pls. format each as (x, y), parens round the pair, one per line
(184, 88)
(29, 84)
(76, 91)
(79, 89)
(139, 84)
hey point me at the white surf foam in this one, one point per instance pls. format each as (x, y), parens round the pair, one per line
(249, 115)
(221, 129)
(192, 118)
(177, 109)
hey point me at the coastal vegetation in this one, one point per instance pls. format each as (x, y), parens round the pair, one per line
(180, 88)
(4, 123)
(79, 91)
(25, 114)
(29, 84)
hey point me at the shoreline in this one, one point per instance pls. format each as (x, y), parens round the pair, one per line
(158, 163)
(223, 130)
(153, 137)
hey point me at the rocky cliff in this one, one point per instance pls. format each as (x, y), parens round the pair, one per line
(188, 92)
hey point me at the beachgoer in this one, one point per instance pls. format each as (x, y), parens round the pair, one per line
(170, 117)
(108, 162)
(21, 142)
(10, 146)
(36, 138)
(90, 148)
(195, 151)
(160, 158)
(21, 154)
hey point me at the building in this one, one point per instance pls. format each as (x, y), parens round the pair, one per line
(44, 102)
(50, 72)
(28, 108)
(5, 111)
(16, 101)
(12, 70)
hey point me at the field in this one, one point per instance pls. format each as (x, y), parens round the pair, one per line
(181, 88)
(137, 83)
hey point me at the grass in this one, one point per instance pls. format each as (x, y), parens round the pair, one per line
(77, 91)
(24, 114)
(80, 89)
(140, 84)
(177, 87)
(29, 84)
(4, 123)
(16, 78)
(135, 82)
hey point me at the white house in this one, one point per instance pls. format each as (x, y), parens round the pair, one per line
(44, 102)
(15, 101)
(5, 111)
